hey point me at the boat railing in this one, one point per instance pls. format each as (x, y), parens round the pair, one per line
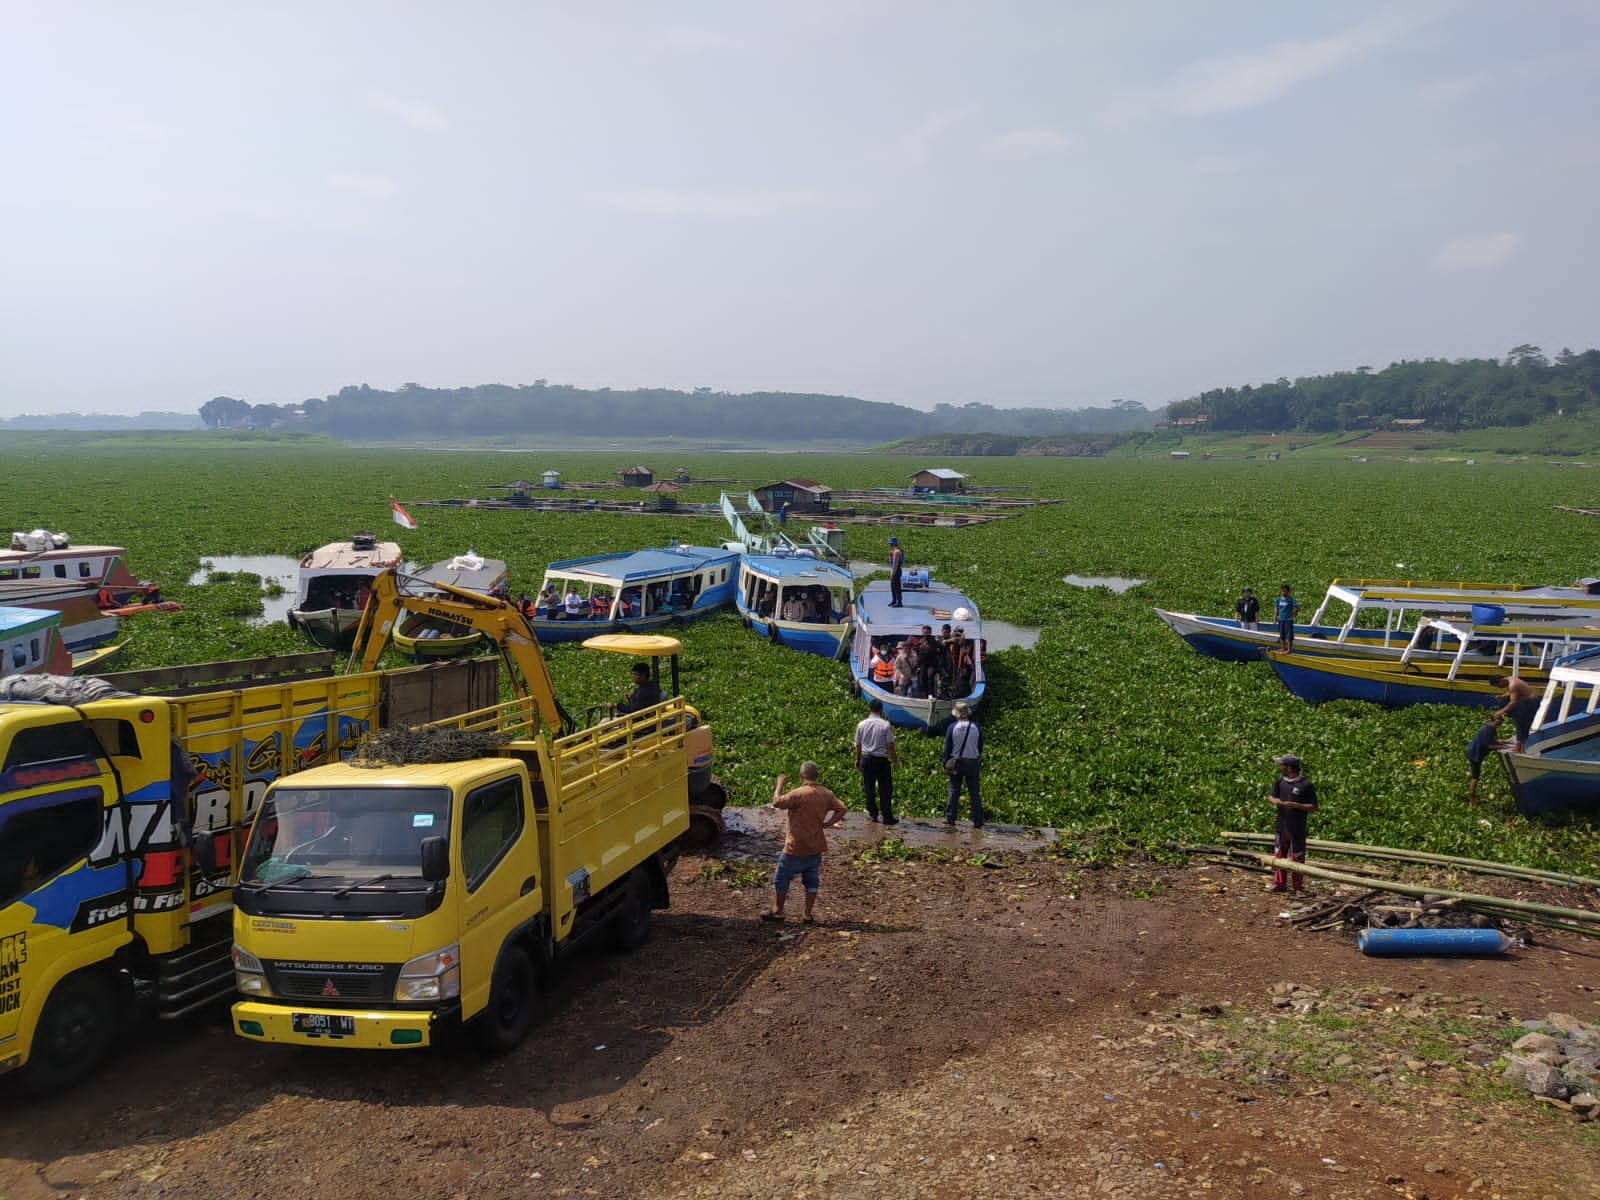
(1537, 645)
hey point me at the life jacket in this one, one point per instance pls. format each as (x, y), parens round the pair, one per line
(600, 606)
(882, 668)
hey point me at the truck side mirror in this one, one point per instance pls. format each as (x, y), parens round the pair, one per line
(205, 850)
(435, 858)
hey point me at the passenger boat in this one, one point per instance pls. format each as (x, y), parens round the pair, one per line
(1481, 654)
(635, 591)
(333, 584)
(796, 600)
(1558, 766)
(924, 602)
(30, 642)
(1372, 617)
(423, 638)
(85, 584)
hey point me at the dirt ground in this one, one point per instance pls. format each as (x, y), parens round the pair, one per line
(973, 1019)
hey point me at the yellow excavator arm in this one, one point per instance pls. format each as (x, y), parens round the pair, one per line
(498, 620)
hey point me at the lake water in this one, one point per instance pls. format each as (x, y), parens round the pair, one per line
(269, 566)
(1115, 582)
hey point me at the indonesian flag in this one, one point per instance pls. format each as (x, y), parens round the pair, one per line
(401, 517)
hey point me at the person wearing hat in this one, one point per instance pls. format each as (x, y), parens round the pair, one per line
(963, 745)
(1248, 609)
(897, 560)
(1295, 799)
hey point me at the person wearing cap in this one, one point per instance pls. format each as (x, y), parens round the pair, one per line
(1248, 609)
(876, 758)
(1295, 799)
(897, 560)
(963, 745)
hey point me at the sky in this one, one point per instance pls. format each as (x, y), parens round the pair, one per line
(1051, 203)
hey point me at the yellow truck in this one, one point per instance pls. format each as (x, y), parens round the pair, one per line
(104, 915)
(380, 902)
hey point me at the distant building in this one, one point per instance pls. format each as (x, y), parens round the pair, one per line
(1180, 454)
(801, 495)
(637, 477)
(939, 479)
(552, 479)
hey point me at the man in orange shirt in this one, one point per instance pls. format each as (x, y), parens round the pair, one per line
(812, 808)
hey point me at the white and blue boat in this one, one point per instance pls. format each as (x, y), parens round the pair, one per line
(1374, 618)
(879, 626)
(1480, 654)
(633, 592)
(797, 600)
(1558, 766)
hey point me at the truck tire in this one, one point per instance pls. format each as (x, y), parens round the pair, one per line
(630, 927)
(75, 1030)
(514, 1002)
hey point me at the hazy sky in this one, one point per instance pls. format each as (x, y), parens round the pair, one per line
(1061, 203)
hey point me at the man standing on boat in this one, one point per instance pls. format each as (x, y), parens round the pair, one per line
(876, 758)
(1287, 606)
(897, 560)
(1248, 609)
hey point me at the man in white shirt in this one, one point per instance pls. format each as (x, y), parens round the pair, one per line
(876, 758)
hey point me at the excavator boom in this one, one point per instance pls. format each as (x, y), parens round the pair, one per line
(498, 620)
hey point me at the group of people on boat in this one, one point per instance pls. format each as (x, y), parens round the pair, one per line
(925, 665)
(808, 605)
(634, 600)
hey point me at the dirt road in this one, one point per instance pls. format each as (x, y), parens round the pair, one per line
(973, 1022)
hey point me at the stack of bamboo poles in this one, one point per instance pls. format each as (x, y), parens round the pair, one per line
(1573, 920)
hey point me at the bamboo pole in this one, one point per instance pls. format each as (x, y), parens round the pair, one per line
(1473, 899)
(1479, 865)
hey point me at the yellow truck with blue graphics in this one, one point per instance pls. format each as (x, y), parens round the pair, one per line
(104, 915)
(384, 900)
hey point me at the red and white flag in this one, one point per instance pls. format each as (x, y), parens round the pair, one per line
(401, 517)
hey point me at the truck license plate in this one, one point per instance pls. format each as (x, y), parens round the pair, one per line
(323, 1024)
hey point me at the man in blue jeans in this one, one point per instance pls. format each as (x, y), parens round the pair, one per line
(963, 744)
(812, 809)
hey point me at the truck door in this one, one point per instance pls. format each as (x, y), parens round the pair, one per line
(63, 885)
(500, 869)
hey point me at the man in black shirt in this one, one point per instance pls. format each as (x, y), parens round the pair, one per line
(645, 691)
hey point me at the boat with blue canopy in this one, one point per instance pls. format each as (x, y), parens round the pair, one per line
(797, 600)
(957, 661)
(1558, 767)
(632, 591)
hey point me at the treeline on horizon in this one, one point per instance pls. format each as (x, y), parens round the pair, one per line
(1449, 396)
(416, 412)
(1473, 393)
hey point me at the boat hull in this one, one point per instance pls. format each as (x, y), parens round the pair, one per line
(1226, 639)
(330, 628)
(1320, 678)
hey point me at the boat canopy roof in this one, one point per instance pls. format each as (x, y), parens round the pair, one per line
(790, 568)
(336, 557)
(17, 619)
(936, 604)
(468, 571)
(640, 566)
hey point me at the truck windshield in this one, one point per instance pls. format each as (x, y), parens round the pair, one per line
(350, 832)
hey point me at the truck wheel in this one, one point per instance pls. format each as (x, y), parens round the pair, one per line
(75, 1031)
(630, 928)
(513, 1003)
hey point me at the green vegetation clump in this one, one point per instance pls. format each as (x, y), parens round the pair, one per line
(1110, 731)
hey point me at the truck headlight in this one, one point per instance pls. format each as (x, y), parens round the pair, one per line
(435, 976)
(248, 975)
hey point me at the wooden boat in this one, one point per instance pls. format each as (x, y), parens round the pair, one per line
(635, 591)
(1558, 766)
(424, 638)
(1376, 617)
(87, 585)
(333, 584)
(924, 602)
(1482, 653)
(797, 601)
